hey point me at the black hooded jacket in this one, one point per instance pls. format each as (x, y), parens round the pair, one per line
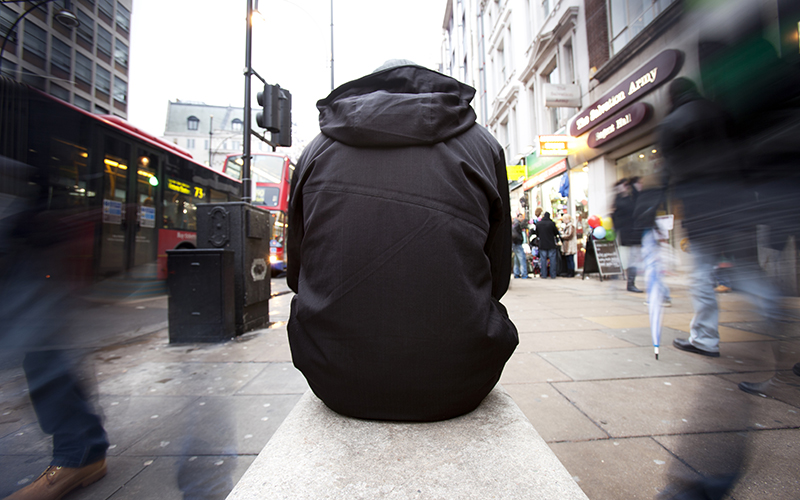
(399, 249)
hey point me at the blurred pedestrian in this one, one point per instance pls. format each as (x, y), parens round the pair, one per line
(569, 244)
(518, 237)
(547, 234)
(35, 291)
(629, 238)
(399, 250)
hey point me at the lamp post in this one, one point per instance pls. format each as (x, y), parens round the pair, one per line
(210, 139)
(248, 70)
(65, 17)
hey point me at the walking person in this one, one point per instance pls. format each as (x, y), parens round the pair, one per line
(629, 238)
(569, 244)
(517, 239)
(547, 233)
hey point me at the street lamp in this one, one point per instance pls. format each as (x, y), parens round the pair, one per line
(65, 17)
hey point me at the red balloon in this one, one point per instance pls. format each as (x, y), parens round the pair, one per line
(594, 221)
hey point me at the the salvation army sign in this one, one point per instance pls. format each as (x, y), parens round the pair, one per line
(645, 79)
(618, 124)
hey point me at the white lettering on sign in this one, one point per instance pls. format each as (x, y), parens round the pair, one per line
(646, 79)
(621, 122)
(601, 109)
(605, 132)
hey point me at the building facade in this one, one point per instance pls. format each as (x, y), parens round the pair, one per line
(530, 59)
(86, 65)
(210, 133)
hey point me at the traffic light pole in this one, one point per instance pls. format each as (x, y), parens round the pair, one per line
(248, 121)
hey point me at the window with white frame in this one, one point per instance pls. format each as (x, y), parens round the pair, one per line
(35, 40)
(120, 90)
(192, 123)
(236, 125)
(104, 40)
(121, 53)
(61, 55)
(190, 143)
(123, 17)
(102, 80)
(627, 18)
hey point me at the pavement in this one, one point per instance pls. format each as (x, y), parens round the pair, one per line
(185, 421)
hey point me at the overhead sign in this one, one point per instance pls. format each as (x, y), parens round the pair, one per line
(645, 79)
(618, 124)
(558, 95)
(554, 145)
(514, 172)
(545, 174)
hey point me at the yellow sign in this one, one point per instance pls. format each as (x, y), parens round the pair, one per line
(178, 186)
(514, 172)
(554, 145)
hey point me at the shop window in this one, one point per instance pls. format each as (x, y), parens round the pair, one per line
(628, 18)
(642, 163)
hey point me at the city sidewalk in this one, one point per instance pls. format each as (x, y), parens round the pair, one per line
(193, 417)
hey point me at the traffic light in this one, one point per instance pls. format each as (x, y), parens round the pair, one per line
(269, 118)
(283, 137)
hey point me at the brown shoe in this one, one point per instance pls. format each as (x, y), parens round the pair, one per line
(55, 482)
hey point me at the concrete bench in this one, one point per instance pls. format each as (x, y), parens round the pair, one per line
(493, 452)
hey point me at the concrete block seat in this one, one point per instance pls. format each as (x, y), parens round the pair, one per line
(492, 452)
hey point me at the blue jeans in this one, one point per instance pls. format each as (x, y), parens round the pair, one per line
(520, 262)
(33, 311)
(553, 266)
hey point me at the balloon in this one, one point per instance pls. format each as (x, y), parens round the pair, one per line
(608, 223)
(594, 221)
(599, 233)
(610, 235)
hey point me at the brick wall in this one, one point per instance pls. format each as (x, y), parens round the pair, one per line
(597, 32)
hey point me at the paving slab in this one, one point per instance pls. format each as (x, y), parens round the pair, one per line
(600, 364)
(614, 469)
(218, 426)
(121, 470)
(527, 367)
(641, 336)
(552, 415)
(19, 471)
(128, 419)
(276, 378)
(675, 405)
(181, 378)
(563, 341)
(179, 478)
(770, 465)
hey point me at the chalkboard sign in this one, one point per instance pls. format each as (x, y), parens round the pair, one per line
(602, 257)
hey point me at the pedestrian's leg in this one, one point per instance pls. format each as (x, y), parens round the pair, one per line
(705, 323)
(63, 410)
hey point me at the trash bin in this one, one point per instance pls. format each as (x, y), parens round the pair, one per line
(201, 301)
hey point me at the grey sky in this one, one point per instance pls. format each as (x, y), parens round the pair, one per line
(194, 50)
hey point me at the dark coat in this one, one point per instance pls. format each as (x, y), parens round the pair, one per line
(517, 232)
(623, 217)
(547, 233)
(399, 249)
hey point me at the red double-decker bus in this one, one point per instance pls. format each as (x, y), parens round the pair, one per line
(134, 194)
(271, 174)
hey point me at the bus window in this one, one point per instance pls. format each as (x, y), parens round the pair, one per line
(68, 187)
(267, 196)
(267, 168)
(233, 167)
(218, 196)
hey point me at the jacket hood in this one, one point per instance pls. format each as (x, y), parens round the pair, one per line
(399, 106)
